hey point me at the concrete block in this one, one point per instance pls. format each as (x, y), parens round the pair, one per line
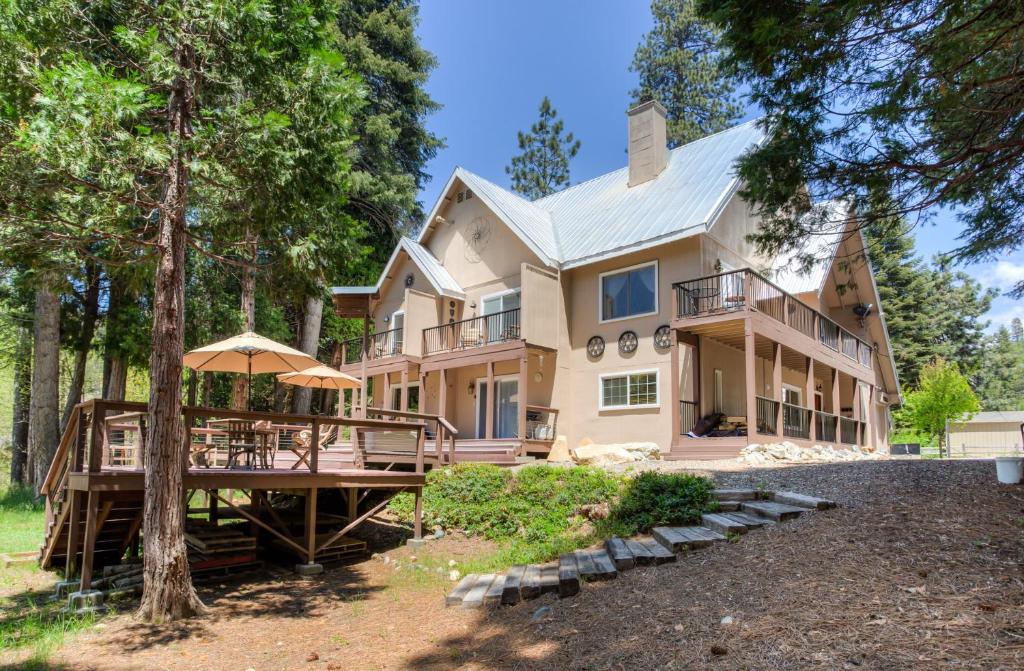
(63, 589)
(416, 542)
(89, 601)
(309, 569)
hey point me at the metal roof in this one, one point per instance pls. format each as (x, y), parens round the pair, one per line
(829, 221)
(436, 274)
(996, 416)
(604, 217)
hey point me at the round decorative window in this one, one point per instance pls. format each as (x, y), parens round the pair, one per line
(628, 342)
(663, 336)
(409, 279)
(595, 346)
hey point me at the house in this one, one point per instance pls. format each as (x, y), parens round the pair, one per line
(629, 307)
(987, 434)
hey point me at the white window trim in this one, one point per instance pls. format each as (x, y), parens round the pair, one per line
(626, 373)
(617, 271)
(498, 294)
(799, 393)
(394, 315)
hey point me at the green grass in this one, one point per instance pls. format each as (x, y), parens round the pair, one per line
(22, 519)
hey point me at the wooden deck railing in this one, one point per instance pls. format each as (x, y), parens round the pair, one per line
(740, 290)
(849, 430)
(825, 426)
(796, 421)
(473, 332)
(380, 345)
(541, 423)
(687, 416)
(443, 432)
(767, 416)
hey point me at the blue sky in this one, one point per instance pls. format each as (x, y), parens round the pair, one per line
(497, 60)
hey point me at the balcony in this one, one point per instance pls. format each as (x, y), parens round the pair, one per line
(744, 290)
(381, 345)
(475, 332)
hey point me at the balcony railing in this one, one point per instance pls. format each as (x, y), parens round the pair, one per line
(381, 345)
(541, 423)
(745, 289)
(849, 431)
(825, 426)
(474, 332)
(687, 416)
(767, 416)
(796, 421)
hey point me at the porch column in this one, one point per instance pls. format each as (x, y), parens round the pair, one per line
(404, 398)
(442, 394)
(362, 374)
(489, 407)
(386, 404)
(677, 429)
(856, 408)
(777, 387)
(698, 379)
(835, 394)
(521, 405)
(750, 368)
(809, 396)
(310, 526)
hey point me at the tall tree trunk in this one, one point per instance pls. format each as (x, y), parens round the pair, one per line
(90, 311)
(168, 592)
(115, 367)
(207, 388)
(22, 398)
(280, 395)
(44, 407)
(190, 395)
(240, 393)
(308, 343)
(118, 382)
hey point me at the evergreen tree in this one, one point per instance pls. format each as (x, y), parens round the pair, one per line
(543, 166)
(1001, 377)
(1016, 330)
(905, 103)
(682, 65)
(960, 306)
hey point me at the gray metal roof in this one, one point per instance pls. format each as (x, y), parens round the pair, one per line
(996, 416)
(829, 221)
(436, 274)
(604, 217)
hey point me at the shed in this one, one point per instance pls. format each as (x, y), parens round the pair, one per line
(987, 434)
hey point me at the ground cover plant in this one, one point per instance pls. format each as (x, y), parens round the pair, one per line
(21, 514)
(541, 511)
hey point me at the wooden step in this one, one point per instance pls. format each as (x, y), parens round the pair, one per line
(475, 596)
(530, 587)
(620, 553)
(549, 579)
(779, 512)
(568, 575)
(513, 580)
(728, 506)
(722, 524)
(803, 501)
(493, 594)
(736, 494)
(659, 553)
(680, 538)
(595, 565)
(461, 590)
(751, 521)
(642, 554)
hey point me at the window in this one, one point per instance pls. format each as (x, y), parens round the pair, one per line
(629, 390)
(791, 395)
(504, 324)
(630, 292)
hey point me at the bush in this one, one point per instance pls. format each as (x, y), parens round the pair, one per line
(662, 499)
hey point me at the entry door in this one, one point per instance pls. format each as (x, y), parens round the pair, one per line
(506, 408)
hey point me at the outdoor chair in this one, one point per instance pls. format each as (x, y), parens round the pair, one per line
(301, 443)
(241, 443)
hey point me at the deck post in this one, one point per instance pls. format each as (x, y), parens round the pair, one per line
(836, 406)
(386, 404)
(403, 403)
(777, 387)
(89, 547)
(353, 503)
(489, 406)
(74, 517)
(523, 400)
(214, 512)
(94, 458)
(362, 374)
(750, 368)
(314, 446)
(310, 567)
(417, 527)
(809, 397)
(674, 367)
(698, 378)
(442, 393)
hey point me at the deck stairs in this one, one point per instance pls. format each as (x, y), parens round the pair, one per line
(117, 522)
(739, 511)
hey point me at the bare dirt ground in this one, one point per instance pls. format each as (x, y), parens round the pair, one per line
(920, 567)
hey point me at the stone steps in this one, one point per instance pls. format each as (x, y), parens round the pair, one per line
(566, 577)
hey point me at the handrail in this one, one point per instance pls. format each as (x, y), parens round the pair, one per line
(60, 456)
(542, 408)
(482, 330)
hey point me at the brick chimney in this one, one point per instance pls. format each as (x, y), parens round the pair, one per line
(648, 142)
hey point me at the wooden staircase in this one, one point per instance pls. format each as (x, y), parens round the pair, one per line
(739, 512)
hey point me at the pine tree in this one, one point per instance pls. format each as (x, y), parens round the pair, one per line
(960, 310)
(543, 166)
(682, 65)
(1016, 330)
(1001, 377)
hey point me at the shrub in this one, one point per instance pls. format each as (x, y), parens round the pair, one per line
(662, 499)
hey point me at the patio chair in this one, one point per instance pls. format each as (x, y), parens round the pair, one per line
(301, 443)
(241, 443)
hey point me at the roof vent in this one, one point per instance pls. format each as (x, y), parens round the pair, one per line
(648, 142)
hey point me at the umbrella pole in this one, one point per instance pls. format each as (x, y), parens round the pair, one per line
(249, 386)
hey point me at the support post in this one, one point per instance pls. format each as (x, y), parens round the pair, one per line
(524, 368)
(353, 503)
(677, 428)
(310, 567)
(386, 404)
(836, 406)
(442, 393)
(698, 378)
(74, 531)
(777, 387)
(489, 406)
(314, 447)
(89, 547)
(750, 368)
(809, 396)
(404, 397)
(362, 374)
(417, 528)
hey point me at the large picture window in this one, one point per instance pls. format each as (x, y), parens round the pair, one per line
(630, 292)
(629, 390)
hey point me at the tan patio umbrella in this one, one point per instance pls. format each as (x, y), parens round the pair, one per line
(320, 377)
(248, 353)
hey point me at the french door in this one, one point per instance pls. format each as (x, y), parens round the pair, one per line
(506, 407)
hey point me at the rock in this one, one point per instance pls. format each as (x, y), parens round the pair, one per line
(451, 563)
(595, 511)
(727, 620)
(439, 533)
(584, 442)
(454, 575)
(540, 613)
(766, 453)
(602, 455)
(560, 451)
(312, 657)
(645, 451)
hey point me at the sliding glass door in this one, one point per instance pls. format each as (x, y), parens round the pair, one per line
(506, 407)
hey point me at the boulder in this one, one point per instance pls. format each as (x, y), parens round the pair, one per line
(560, 451)
(602, 455)
(644, 451)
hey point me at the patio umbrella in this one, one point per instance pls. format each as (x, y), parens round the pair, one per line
(320, 377)
(248, 353)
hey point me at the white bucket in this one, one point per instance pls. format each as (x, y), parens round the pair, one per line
(1009, 470)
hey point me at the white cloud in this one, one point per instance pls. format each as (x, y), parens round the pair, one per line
(1006, 274)
(1002, 316)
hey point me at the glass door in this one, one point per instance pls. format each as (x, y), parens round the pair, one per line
(506, 408)
(503, 325)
